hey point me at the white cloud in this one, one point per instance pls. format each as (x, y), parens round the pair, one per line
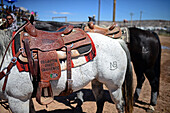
(63, 13)
(54, 12)
(67, 13)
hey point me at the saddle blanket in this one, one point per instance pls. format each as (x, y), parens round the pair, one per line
(78, 61)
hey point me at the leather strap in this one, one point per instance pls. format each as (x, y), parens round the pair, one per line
(5, 82)
(36, 67)
(2, 74)
(48, 100)
(69, 62)
(12, 63)
(30, 60)
(69, 66)
(69, 82)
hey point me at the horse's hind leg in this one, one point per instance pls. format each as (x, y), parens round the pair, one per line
(140, 79)
(154, 82)
(98, 92)
(19, 106)
(117, 98)
(79, 100)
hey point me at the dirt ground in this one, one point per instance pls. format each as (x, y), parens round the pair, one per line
(61, 105)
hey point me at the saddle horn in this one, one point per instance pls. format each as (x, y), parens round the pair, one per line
(112, 26)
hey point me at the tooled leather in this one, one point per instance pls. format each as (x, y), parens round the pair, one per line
(49, 65)
(31, 30)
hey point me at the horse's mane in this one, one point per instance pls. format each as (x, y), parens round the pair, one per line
(5, 36)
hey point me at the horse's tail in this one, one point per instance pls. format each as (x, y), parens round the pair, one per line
(128, 83)
(158, 61)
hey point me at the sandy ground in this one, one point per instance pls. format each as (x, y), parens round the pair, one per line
(61, 105)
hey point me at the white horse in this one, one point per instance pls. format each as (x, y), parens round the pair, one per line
(111, 67)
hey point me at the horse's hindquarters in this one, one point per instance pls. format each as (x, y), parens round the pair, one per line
(111, 59)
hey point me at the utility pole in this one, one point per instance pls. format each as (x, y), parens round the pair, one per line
(131, 14)
(99, 13)
(114, 10)
(140, 18)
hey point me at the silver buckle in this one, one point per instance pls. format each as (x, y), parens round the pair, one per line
(14, 58)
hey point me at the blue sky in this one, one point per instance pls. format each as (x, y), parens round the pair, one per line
(79, 10)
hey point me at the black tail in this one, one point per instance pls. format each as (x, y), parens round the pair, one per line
(128, 83)
(157, 67)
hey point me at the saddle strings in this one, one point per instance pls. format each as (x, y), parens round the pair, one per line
(13, 37)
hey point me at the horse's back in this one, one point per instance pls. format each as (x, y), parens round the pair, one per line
(144, 46)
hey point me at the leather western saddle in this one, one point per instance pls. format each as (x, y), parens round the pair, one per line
(43, 51)
(46, 46)
(113, 31)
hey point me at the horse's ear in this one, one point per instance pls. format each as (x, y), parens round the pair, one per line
(32, 19)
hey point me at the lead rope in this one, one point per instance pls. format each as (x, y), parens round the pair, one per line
(8, 68)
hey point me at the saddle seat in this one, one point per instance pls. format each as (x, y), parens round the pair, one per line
(43, 51)
(113, 31)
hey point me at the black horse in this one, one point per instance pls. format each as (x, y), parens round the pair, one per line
(51, 25)
(145, 50)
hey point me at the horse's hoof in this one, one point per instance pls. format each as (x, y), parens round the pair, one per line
(150, 109)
